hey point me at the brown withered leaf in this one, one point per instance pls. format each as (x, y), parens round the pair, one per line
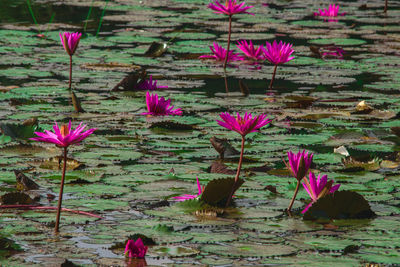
(340, 205)
(24, 183)
(224, 148)
(297, 101)
(217, 191)
(110, 66)
(30, 122)
(56, 163)
(156, 49)
(271, 188)
(396, 130)
(244, 88)
(218, 167)
(171, 125)
(14, 198)
(76, 102)
(130, 81)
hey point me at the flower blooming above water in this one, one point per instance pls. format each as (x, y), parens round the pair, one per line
(332, 11)
(245, 125)
(158, 106)
(230, 8)
(64, 136)
(299, 163)
(187, 196)
(135, 249)
(70, 41)
(219, 54)
(278, 53)
(149, 84)
(317, 188)
(250, 51)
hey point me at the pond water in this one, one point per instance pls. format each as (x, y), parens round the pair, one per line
(123, 171)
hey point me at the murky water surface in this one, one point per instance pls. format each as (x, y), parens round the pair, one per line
(122, 171)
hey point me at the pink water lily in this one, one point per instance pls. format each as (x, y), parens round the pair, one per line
(317, 188)
(65, 136)
(230, 8)
(298, 166)
(219, 54)
(158, 106)
(135, 249)
(70, 41)
(299, 163)
(332, 11)
(184, 197)
(278, 53)
(243, 125)
(149, 84)
(250, 51)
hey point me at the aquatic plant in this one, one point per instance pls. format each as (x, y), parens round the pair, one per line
(250, 51)
(187, 196)
(317, 188)
(149, 84)
(220, 54)
(63, 137)
(242, 125)
(159, 106)
(298, 166)
(70, 42)
(230, 8)
(331, 11)
(135, 249)
(277, 54)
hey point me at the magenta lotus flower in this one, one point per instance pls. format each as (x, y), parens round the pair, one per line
(159, 106)
(299, 163)
(65, 136)
(317, 188)
(250, 51)
(278, 53)
(332, 11)
(149, 84)
(230, 8)
(245, 125)
(219, 54)
(186, 196)
(135, 249)
(70, 41)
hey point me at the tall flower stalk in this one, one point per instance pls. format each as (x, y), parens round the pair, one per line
(70, 42)
(298, 166)
(63, 137)
(230, 8)
(242, 125)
